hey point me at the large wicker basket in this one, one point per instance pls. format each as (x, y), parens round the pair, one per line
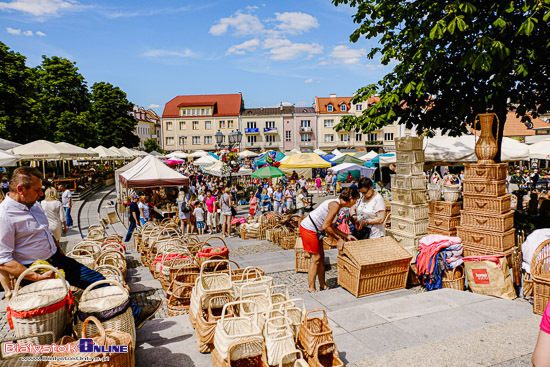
(409, 168)
(497, 205)
(494, 241)
(408, 182)
(409, 143)
(410, 156)
(414, 227)
(444, 232)
(443, 222)
(314, 331)
(540, 273)
(373, 266)
(414, 212)
(486, 189)
(485, 172)
(303, 258)
(409, 196)
(487, 221)
(444, 208)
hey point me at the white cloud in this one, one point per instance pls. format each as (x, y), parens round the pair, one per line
(308, 81)
(283, 49)
(13, 31)
(27, 33)
(241, 49)
(39, 7)
(346, 55)
(153, 105)
(295, 22)
(41, 34)
(242, 24)
(252, 7)
(166, 53)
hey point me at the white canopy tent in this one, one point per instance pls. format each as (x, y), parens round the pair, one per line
(7, 144)
(178, 155)
(43, 150)
(319, 151)
(217, 170)
(370, 155)
(293, 151)
(152, 172)
(121, 170)
(540, 150)
(77, 151)
(207, 160)
(346, 167)
(107, 154)
(8, 160)
(247, 154)
(446, 149)
(123, 154)
(198, 154)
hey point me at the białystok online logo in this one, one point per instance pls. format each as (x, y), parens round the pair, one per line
(84, 346)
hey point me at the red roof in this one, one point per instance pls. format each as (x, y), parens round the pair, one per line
(514, 126)
(225, 104)
(322, 103)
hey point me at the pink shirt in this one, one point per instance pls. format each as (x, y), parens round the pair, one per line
(318, 182)
(210, 204)
(545, 323)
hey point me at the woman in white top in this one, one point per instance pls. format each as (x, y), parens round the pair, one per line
(143, 210)
(323, 219)
(54, 212)
(369, 211)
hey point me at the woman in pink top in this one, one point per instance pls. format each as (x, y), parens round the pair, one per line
(318, 185)
(541, 354)
(211, 212)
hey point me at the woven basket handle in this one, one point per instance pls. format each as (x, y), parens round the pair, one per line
(288, 304)
(106, 281)
(214, 237)
(208, 262)
(325, 319)
(100, 329)
(111, 268)
(238, 303)
(114, 243)
(540, 249)
(84, 244)
(32, 268)
(87, 253)
(251, 269)
(108, 253)
(283, 287)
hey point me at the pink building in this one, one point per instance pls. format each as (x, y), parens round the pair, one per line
(300, 130)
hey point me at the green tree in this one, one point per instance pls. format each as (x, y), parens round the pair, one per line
(111, 110)
(16, 97)
(76, 129)
(151, 145)
(60, 89)
(453, 60)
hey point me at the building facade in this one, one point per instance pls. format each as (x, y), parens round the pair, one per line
(190, 122)
(263, 127)
(300, 131)
(147, 126)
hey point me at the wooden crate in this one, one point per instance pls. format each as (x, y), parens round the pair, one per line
(485, 204)
(409, 143)
(484, 188)
(409, 196)
(412, 226)
(410, 156)
(444, 223)
(494, 241)
(416, 212)
(485, 172)
(444, 208)
(373, 266)
(408, 182)
(487, 221)
(409, 168)
(435, 230)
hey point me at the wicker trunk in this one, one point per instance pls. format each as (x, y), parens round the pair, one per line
(487, 221)
(406, 240)
(444, 208)
(493, 241)
(484, 189)
(444, 223)
(444, 232)
(414, 212)
(411, 226)
(497, 205)
(485, 172)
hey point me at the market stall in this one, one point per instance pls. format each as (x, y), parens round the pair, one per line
(247, 154)
(7, 144)
(217, 170)
(8, 160)
(540, 150)
(206, 160)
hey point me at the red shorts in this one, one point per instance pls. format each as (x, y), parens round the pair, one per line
(309, 240)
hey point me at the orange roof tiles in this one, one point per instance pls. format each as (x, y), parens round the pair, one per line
(225, 104)
(514, 126)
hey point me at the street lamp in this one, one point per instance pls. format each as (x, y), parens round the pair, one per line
(234, 139)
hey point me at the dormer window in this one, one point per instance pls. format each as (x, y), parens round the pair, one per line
(329, 108)
(343, 107)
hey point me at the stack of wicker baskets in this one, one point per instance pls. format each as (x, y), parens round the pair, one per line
(486, 224)
(409, 211)
(444, 217)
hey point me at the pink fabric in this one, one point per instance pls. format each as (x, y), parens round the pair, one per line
(210, 204)
(318, 182)
(545, 323)
(429, 246)
(439, 238)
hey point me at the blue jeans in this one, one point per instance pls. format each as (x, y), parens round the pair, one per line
(130, 231)
(68, 218)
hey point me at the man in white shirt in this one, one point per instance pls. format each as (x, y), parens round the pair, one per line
(67, 201)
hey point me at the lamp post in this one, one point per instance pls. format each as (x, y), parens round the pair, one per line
(234, 139)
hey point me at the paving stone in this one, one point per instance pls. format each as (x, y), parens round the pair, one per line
(331, 297)
(355, 318)
(501, 309)
(385, 338)
(351, 349)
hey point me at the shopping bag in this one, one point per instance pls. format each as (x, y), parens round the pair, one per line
(489, 275)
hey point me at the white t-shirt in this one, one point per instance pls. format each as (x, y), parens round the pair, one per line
(302, 182)
(65, 197)
(318, 216)
(199, 214)
(368, 210)
(270, 191)
(145, 209)
(299, 203)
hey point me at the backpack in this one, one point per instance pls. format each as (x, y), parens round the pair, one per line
(184, 208)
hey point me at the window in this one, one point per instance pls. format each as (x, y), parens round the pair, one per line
(207, 140)
(542, 132)
(359, 107)
(182, 125)
(168, 125)
(208, 111)
(330, 108)
(230, 124)
(251, 139)
(306, 137)
(196, 140)
(328, 123)
(182, 112)
(358, 137)
(388, 136)
(251, 124)
(208, 125)
(222, 124)
(343, 107)
(288, 136)
(182, 140)
(195, 125)
(305, 123)
(373, 137)
(345, 137)
(270, 124)
(169, 140)
(329, 138)
(270, 138)
(203, 111)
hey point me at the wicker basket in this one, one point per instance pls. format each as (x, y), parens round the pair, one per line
(454, 278)
(414, 212)
(178, 298)
(303, 257)
(444, 208)
(540, 273)
(207, 320)
(444, 223)
(326, 354)
(83, 256)
(409, 168)
(314, 331)
(95, 301)
(489, 222)
(91, 246)
(494, 241)
(485, 172)
(373, 266)
(406, 240)
(409, 196)
(114, 258)
(444, 232)
(409, 143)
(288, 242)
(408, 182)
(486, 189)
(410, 156)
(414, 227)
(254, 346)
(38, 296)
(486, 204)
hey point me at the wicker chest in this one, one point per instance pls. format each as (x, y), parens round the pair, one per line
(406, 240)
(411, 197)
(496, 205)
(408, 182)
(444, 217)
(373, 266)
(487, 221)
(412, 226)
(408, 143)
(415, 212)
(485, 172)
(494, 241)
(492, 189)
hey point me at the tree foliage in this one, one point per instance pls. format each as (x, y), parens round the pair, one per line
(452, 60)
(151, 145)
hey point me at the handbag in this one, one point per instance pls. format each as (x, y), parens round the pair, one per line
(184, 207)
(233, 210)
(361, 234)
(320, 234)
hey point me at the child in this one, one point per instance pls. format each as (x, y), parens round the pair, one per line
(199, 216)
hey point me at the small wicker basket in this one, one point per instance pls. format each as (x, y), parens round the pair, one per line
(454, 278)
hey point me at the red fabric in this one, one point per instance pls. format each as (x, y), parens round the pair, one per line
(67, 301)
(213, 251)
(309, 241)
(118, 243)
(545, 323)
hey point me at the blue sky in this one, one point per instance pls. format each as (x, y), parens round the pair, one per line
(271, 51)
